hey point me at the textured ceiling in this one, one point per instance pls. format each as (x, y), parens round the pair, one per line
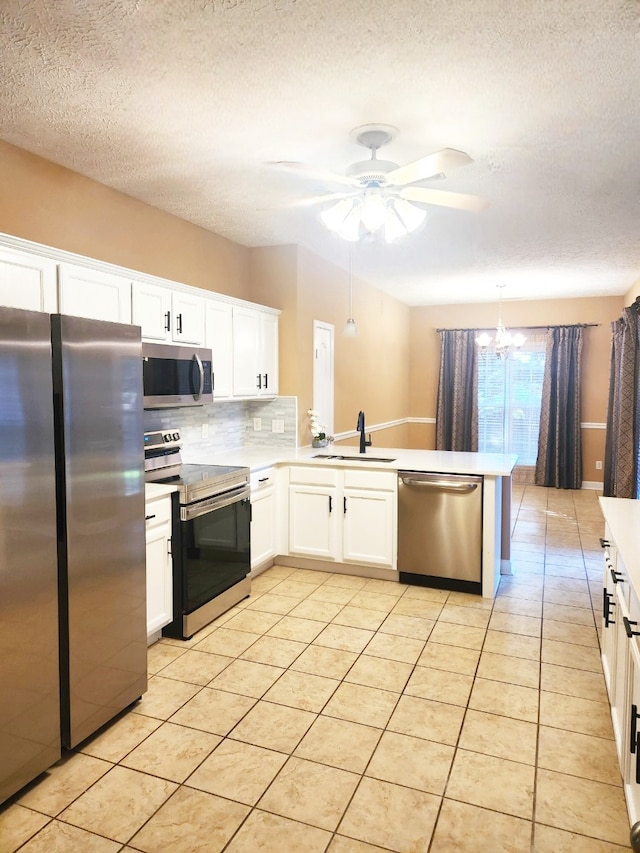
(183, 104)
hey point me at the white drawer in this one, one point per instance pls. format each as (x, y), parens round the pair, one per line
(312, 475)
(262, 479)
(157, 511)
(359, 479)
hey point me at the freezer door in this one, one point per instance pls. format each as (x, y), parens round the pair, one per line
(29, 684)
(100, 455)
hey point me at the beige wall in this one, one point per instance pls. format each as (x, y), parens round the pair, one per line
(48, 204)
(425, 356)
(371, 371)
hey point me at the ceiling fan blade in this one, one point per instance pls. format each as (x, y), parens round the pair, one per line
(318, 199)
(306, 171)
(460, 201)
(427, 167)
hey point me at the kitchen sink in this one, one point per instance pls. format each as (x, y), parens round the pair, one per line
(353, 458)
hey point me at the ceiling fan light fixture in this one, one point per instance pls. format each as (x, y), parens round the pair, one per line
(374, 208)
(350, 228)
(334, 216)
(412, 217)
(394, 228)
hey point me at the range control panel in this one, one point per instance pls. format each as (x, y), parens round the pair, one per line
(164, 439)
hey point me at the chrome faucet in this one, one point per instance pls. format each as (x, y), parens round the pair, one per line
(360, 427)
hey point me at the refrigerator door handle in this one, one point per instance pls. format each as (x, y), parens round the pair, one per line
(198, 361)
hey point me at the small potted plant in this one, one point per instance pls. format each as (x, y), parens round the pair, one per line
(319, 437)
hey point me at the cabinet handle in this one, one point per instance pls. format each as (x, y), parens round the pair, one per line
(167, 323)
(169, 551)
(149, 517)
(616, 577)
(627, 627)
(263, 480)
(213, 380)
(607, 609)
(604, 543)
(266, 381)
(345, 505)
(634, 728)
(638, 759)
(259, 382)
(330, 504)
(179, 324)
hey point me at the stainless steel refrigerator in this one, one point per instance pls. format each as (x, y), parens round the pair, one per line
(72, 545)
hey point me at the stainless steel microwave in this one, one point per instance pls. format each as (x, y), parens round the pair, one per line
(175, 376)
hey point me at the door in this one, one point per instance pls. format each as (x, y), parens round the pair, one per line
(188, 318)
(263, 526)
(246, 352)
(313, 519)
(268, 358)
(94, 294)
(368, 527)
(27, 281)
(323, 376)
(151, 310)
(29, 678)
(219, 338)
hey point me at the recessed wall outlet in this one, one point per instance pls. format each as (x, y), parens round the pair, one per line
(598, 465)
(205, 430)
(257, 424)
(277, 425)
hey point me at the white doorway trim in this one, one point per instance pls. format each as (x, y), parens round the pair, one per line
(323, 377)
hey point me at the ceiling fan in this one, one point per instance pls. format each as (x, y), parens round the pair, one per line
(380, 194)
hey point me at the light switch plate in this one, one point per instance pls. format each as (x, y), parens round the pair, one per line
(205, 430)
(277, 425)
(257, 424)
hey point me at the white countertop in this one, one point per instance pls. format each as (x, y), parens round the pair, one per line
(623, 518)
(157, 490)
(439, 461)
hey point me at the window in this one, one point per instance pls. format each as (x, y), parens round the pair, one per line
(509, 399)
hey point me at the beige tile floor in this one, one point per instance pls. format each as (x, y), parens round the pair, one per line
(332, 713)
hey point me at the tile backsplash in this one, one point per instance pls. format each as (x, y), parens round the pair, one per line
(229, 425)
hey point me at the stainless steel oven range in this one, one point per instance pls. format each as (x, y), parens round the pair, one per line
(211, 515)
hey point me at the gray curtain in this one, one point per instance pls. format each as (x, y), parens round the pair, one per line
(621, 448)
(457, 412)
(559, 460)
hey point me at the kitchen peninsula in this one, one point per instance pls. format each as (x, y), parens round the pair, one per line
(338, 471)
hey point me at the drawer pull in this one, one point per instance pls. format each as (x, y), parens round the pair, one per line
(604, 543)
(616, 577)
(607, 609)
(149, 517)
(638, 759)
(627, 627)
(263, 480)
(634, 728)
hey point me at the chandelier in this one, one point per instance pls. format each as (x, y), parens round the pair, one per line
(503, 340)
(372, 211)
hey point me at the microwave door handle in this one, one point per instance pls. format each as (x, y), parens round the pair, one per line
(198, 395)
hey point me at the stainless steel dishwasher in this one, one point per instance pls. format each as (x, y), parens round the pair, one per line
(440, 530)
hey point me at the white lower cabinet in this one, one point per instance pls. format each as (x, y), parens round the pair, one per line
(343, 515)
(263, 517)
(621, 665)
(159, 564)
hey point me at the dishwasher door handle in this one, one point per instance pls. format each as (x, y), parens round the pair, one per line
(441, 485)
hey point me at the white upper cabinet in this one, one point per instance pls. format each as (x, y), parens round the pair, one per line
(219, 338)
(151, 310)
(94, 294)
(27, 281)
(166, 315)
(255, 353)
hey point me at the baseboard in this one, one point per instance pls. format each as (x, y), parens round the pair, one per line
(337, 568)
(592, 484)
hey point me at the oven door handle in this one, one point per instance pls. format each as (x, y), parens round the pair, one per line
(187, 513)
(198, 361)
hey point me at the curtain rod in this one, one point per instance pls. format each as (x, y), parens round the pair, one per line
(528, 328)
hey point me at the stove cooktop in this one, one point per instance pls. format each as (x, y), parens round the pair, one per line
(196, 482)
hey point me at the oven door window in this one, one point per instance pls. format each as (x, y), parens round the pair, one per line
(215, 553)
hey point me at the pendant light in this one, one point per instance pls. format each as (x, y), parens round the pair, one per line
(503, 340)
(351, 328)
